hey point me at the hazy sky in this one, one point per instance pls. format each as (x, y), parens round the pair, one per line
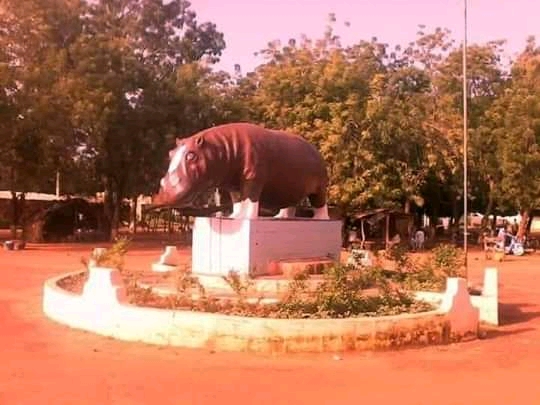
(250, 25)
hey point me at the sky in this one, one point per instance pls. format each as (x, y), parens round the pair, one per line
(249, 25)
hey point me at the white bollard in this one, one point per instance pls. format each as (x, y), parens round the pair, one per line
(491, 282)
(456, 302)
(104, 286)
(490, 297)
(168, 261)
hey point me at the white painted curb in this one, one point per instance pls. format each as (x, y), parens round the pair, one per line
(487, 303)
(108, 317)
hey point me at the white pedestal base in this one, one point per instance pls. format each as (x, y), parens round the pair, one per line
(248, 246)
(457, 304)
(168, 261)
(163, 268)
(170, 256)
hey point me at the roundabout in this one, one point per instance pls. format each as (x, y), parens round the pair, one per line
(103, 308)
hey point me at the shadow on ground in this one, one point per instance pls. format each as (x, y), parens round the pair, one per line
(492, 333)
(514, 313)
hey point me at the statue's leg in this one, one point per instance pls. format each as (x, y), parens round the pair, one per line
(251, 192)
(251, 209)
(237, 205)
(237, 210)
(288, 212)
(245, 209)
(318, 201)
(321, 213)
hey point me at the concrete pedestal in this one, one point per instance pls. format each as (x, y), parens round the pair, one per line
(249, 246)
(169, 260)
(104, 286)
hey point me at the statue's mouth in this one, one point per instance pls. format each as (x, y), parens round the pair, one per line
(167, 199)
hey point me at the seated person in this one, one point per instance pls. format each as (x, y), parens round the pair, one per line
(396, 240)
(418, 239)
(505, 237)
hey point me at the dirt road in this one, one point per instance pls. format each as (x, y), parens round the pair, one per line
(42, 362)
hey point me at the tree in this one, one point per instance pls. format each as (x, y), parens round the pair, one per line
(516, 117)
(36, 134)
(388, 121)
(320, 90)
(441, 62)
(128, 59)
(485, 82)
(395, 113)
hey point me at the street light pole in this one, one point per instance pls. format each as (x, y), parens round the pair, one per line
(465, 139)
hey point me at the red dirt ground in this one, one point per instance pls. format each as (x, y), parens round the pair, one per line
(44, 362)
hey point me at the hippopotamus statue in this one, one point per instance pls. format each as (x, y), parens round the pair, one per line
(257, 166)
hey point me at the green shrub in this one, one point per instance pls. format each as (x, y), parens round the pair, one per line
(449, 260)
(344, 291)
(430, 274)
(342, 294)
(400, 255)
(112, 256)
(240, 286)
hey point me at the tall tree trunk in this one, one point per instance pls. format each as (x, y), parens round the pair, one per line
(411, 223)
(490, 204)
(455, 211)
(14, 205)
(133, 215)
(115, 220)
(522, 230)
(17, 214)
(21, 209)
(112, 203)
(407, 206)
(434, 217)
(14, 214)
(107, 209)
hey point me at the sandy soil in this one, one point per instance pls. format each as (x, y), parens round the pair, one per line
(43, 362)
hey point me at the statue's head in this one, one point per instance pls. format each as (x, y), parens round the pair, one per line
(186, 176)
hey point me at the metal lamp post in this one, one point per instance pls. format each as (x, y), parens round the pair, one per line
(465, 139)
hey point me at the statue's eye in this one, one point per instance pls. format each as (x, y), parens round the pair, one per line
(190, 156)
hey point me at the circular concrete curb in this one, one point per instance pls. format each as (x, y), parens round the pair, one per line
(235, 333)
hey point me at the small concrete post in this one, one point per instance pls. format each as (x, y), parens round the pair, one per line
(490, 296)
(104, 286)
(456, 302)
(168, 261)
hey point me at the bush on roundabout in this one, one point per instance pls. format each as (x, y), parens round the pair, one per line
(343, 292)
(428, 272)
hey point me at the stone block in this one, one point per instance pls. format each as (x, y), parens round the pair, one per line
(96, 253)
(104, 286)
(170, 256)
(249, 246)
(491, 282)
(490, 297)
(360, 257)
(168, 261)
(456, 302)
(290, 268)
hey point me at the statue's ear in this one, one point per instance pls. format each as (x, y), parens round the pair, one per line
(199, 141)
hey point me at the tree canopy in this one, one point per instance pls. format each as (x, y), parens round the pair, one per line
(98, 90)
